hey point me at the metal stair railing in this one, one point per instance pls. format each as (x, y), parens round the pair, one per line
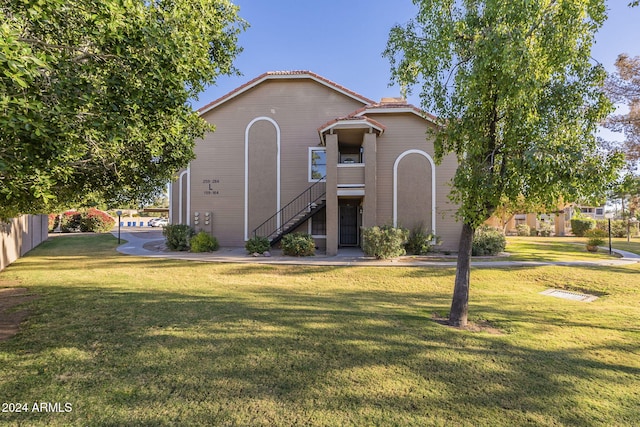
(282, 221)
(297, 221)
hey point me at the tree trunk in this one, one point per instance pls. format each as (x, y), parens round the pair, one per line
(505, 223)
(460, 302)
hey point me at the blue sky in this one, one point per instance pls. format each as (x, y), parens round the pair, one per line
(343, 41)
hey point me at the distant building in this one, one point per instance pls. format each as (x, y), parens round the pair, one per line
(559, 222)
(595, 212)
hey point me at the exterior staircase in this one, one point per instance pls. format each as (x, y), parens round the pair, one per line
(293, 214)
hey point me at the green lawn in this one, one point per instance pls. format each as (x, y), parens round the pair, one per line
(134, 341)
(562, 248)
(621, 243)
(551, 249)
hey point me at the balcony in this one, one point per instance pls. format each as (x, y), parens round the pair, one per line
(350, 175)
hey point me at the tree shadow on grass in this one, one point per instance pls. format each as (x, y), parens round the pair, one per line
(288, 353)
(287, 357)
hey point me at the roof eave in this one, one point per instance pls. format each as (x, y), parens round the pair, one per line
(283, 75)
(394, 110)
(352, 124)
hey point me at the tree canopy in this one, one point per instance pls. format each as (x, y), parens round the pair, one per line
(94, 95)
(518, 101)
(624, 87)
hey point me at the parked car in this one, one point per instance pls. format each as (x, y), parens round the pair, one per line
(158, 222)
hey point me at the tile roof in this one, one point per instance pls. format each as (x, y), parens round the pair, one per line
(391, 107)
(388, 105)
(366, 119)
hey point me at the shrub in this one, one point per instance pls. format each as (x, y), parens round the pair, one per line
(202, 242)
(545, 229)
(384, 242)
(419, 241)
(488, 241)
(178, 236)
(579, 226)
(595, 237)
(71, 221)
(257, 244)
(298, 244)
(90, 221)
(618, 227)
(53, 222)
(523, 230)
(97, 221)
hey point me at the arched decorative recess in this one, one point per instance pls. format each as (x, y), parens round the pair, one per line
(433, 186)
(246, 171)
(184, 175)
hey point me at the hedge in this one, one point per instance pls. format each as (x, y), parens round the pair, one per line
(89, 221)
(618, 227)
(579, 226)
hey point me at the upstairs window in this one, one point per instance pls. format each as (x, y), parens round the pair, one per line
(317, 163)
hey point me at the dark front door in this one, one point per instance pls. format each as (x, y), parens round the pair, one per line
(348, 225)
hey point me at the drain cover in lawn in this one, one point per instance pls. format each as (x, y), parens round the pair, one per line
(575, 296)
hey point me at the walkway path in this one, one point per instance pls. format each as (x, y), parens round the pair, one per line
(151, 244)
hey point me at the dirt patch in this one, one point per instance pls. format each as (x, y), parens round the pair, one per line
(482, 326)
(10, 319)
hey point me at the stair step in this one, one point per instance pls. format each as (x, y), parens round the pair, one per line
(310, 209)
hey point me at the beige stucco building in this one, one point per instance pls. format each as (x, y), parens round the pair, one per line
(293, 151)
(559, 220)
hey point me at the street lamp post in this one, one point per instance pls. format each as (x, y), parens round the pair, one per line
(608, 216)
(119, 214)
(610, 236)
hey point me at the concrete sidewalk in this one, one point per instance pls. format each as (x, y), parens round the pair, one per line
(150, 243)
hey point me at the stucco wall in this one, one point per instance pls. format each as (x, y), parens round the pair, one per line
(296, 109)
(406, 134)
(257, 160)
(19, 235)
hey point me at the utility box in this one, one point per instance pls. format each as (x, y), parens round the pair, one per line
(203, 221)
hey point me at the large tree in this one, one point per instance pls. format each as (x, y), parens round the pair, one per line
(517, 99)
(624, 87)
(94, 95)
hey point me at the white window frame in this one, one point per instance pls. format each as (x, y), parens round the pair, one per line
(311, 150)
